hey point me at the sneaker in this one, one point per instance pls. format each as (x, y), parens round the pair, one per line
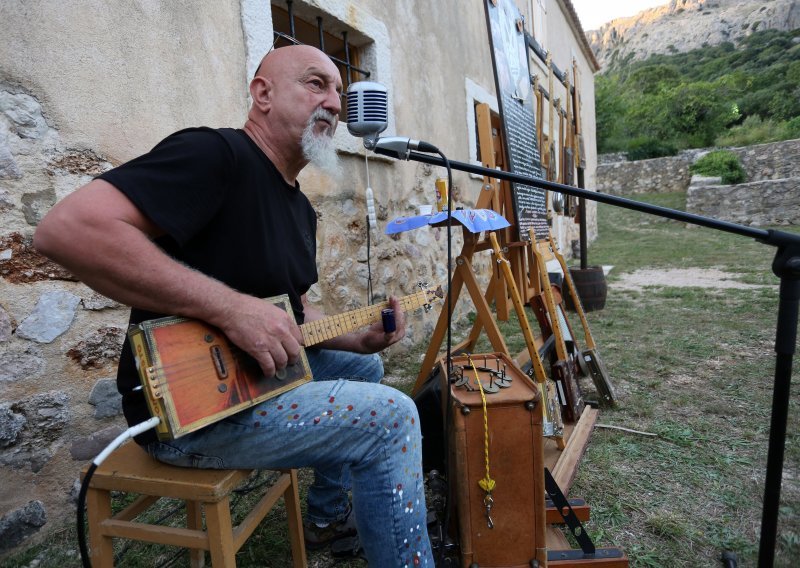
(347, 547)
(318, 537)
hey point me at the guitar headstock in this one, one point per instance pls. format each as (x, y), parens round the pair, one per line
(430, 295)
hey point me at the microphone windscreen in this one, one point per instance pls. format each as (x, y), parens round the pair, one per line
(367, 108)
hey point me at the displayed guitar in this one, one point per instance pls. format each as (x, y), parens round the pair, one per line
(568, 161)
(552, 424)
(193, 376)
(537, 90)
(552, 168)
(564, 369)
(589, 359)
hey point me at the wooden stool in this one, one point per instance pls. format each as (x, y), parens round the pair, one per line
(131, 469)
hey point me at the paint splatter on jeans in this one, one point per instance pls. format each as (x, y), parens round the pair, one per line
(351, 430)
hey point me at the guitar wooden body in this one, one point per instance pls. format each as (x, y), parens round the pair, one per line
(193, 376)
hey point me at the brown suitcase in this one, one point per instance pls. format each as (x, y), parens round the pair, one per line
(514, 419)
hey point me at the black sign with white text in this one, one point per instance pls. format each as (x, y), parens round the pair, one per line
(515, 97)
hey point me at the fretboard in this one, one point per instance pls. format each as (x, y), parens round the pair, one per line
(327, 328)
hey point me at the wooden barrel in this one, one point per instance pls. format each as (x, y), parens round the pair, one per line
(590, 283)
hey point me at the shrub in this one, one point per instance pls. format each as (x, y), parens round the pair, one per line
(646, 147)
(721, 163)
(753, 130)
(792, 128)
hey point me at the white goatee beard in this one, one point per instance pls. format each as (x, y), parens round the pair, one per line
(318, 149)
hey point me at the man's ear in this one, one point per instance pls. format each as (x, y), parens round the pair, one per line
(261, 93)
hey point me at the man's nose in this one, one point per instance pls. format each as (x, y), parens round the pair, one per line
(333, 101)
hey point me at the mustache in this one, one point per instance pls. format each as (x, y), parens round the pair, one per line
(322, 114)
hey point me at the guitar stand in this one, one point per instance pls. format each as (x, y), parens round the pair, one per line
(588, 553)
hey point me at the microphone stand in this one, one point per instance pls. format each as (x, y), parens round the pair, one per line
(786, 266)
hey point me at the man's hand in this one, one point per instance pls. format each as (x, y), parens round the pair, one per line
(266, 332)
(371, 340)
(375, 339)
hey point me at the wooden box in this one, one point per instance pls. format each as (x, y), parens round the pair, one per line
(513, 421)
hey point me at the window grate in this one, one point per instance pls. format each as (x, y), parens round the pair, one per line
(341, 54)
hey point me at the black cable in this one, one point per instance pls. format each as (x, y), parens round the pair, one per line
(81, 523)
(449, 261)
(115, 443)
(448, 508)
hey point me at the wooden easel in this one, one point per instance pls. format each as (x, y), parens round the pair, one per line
(589, 359)
(562, 454)
(517, 278)
(491, 197)
(565, 367)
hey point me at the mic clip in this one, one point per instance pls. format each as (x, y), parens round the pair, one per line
(398, 146)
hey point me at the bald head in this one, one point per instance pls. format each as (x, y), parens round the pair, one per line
(282, 60)
(296, 92)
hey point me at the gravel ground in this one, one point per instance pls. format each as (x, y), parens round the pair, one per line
(680, 277)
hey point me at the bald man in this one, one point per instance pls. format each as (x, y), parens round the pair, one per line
(203, 226)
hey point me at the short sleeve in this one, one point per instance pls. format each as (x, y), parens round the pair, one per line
(181, 183)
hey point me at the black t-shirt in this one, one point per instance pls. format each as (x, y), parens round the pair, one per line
(227, 212)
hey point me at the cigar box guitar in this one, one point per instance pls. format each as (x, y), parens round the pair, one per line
(564, 368)
(192, 376)
(589, 360)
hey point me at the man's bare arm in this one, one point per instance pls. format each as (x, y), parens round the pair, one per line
(100, 235)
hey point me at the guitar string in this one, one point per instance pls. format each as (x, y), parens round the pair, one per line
(175, 378)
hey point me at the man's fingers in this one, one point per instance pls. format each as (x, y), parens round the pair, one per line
(267, 364)
(280, 357)
(292, 349)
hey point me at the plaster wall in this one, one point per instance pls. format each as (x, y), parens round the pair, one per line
(117, 77)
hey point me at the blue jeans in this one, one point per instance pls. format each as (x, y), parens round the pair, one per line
(351, 430)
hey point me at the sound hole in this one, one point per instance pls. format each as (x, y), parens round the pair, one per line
(219, 362)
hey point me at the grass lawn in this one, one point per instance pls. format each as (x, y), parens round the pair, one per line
(692, 365)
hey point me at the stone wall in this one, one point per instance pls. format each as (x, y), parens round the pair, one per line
(758, 203)
(778, 160)
(658, 175)
(771, 195)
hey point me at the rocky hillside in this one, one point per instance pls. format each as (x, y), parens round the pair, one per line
(682, 25)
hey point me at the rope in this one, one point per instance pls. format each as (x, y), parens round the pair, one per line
(487, 483)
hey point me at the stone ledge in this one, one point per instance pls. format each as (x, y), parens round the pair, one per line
(760, 203)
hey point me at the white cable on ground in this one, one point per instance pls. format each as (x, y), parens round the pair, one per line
(624, 429)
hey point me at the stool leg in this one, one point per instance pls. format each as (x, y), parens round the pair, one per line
(220, 534)
(194, 520)
(98, 504)
(291, 499)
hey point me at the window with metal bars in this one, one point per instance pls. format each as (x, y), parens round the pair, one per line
(298, 23)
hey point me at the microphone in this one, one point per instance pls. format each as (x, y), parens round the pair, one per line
(368, 116)
(367, 110)
(399, 147)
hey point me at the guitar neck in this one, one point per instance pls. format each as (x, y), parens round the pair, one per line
(323, 329)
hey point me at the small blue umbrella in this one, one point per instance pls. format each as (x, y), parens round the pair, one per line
(475, 220)
(402, 224)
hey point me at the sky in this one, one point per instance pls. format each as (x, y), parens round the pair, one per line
(595, 13)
